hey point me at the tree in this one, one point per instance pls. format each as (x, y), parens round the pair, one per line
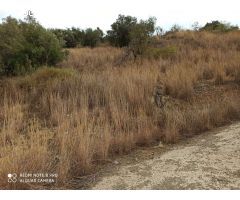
(159, 31)
(175, 28)
(216, 26)
(140, 36)
(78, 36)
(60, 34)
(75, 37)
(11, 43)
(26, 45)
(195, 26)
(92, 37)
(120, 34)
(69, 38)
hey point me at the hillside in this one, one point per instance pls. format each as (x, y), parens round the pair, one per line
(100, 103)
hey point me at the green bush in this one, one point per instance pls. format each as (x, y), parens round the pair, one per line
(26, 45)
(140, 36)
(120, 34)
(75, 37)
(92, 37)
(216, 26)
(176, 28)
(69, 38)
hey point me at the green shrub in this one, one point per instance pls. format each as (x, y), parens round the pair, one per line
(176, 28)
(75, 37)
(120, 34)
(26, 45)
(140, 36)
(216, 26)
(69, 38)
(92, 37)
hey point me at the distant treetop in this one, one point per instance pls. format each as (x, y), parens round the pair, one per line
(216, 26)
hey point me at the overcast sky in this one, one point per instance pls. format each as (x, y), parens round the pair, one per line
(102, 13)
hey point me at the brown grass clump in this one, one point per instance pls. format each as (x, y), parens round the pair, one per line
(90, 59)
(179, 82)
(194, 119)
(67, 120)
(237, 74)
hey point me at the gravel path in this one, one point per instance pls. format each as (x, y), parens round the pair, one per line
(208, 161)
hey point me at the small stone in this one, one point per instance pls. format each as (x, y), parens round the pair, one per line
(160, 145)
(116, 162)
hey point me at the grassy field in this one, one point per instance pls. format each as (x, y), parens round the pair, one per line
(69, 119)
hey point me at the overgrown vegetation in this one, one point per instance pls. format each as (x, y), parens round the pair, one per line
(76, 37)
(26, 45)
(216, 26)
(141, 36)
(67, 120)
(119, 36)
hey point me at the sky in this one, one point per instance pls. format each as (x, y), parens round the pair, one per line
(102, 13)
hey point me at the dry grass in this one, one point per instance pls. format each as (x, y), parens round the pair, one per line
(179, 81)
(67, 120)
(91, 59)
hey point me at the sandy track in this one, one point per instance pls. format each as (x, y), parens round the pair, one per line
(209, 161)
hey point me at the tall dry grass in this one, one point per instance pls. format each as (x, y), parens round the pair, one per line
(67, 120)
(91, 59)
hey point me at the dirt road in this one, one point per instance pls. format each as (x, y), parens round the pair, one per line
(208, 161)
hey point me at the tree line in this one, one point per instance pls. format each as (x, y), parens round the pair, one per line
(124, 29)
(26, 45)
